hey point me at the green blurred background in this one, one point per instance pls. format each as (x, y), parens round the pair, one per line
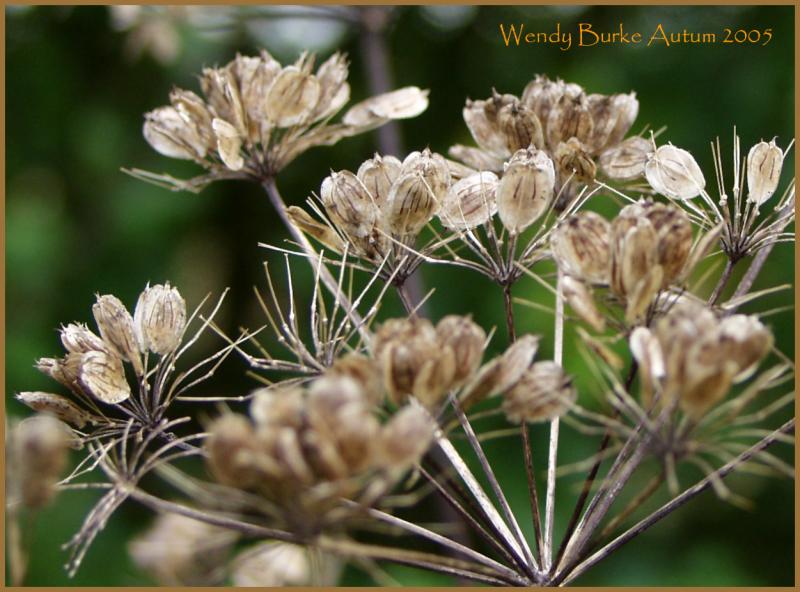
(79, 79)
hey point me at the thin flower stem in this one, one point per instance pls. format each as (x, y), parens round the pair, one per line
(532, 491)
(723, 281)
(509, 308)
(327, 278)
(552, 457)
(567, 576)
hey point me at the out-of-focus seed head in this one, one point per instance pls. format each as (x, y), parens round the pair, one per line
(674, 233)
(406, 437)
(378, 174)
(117, 329)
(272, 408)
(102, 376)
(349, 204)
(159, 319)
(470, 202)
(673, 172)
(363, 371)
(580, 246)
(270, 564)
(626, 160)
(467, 341)
(229, 144)
(525, 190)
(647, 352)
(180, 551)
(38, 455)
(579, 297)
(233, 455)
(572, 159)
(634, 250)
(543, 392)
(55, 405)
(292, 97)
(746, 341)
(764, 164)
(77, 338)
(334, 89)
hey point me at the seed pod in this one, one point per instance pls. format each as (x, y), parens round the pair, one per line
(316, 229)
(363, 371)
(643, 293)
(579, 297)
(467, 340)
(412, 204)
(612, 117)
(334, 90)
(233, 456)
(229, 144)
(54, 369)
(254, 77)
(470, 202)
(160, 319)
(625, 161)
(406, 437)
(569, 118)
(77, 338)
(543, 392)
(292, 97)
(580, 246)
(117, 329)
(195, 113)
(60, 407)
(222, 92)
(541, 95)
(571, 158)
(520, 127)
(103, 377)
(525, 190)
(349, 204)
(377, 175)
(705, 386)
(277, 407)
(764, 164)
(433, 168)
(403, 103)
(673, 172)
(169, 134)
(270, 564)
(674, 232)
(39, 455)
(745, 341)
(483, 126)
(634, 251)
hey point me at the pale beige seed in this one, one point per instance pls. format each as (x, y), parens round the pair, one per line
(573, 161)
(466, 339)
(403, 103)
(77, 338)
(542, 393)
(160, 319)
(525, 190)
(169, 134)
(569, 118)
(277, 407)
(56, 405)
(746, 341)
(581, 246)
(764, 164)
(229, 144)
(580, 298)
(674, 231)
(233, 456)
(270, 564)
(541, 95)
(334, 89)
(483, 127)
(406, 437)
(103, 377)
(673, 172)
(647, 352)
(349, 204)
(378, 174)
(634, 251)
(412, 204)
(364, 371)
(520, 127)
(625, 161)
(194, 112)
(470, 202)
(117, 329)
(292, 97)
(643, 293)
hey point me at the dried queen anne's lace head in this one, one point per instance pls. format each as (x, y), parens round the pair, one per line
(257, 116)
(578, 131)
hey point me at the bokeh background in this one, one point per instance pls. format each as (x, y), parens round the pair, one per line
(79, 79)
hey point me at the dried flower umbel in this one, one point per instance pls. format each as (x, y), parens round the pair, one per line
(257, 116)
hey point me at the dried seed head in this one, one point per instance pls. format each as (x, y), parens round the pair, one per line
(580, 246)
(117, 329)
(77, 338)
(313, 228)
(764, 164)
(39, 445)
(229, 144)
(625, 161)
(470, 202)
(233, 456)
(349, 204)
(55, 405)
(525, 190)
(543, 392)
(272, 564)
(673, 172)
(180, 551)
(520, 126)
(417, 194)
(403, 103)
(159, 319)
(406, 437)
(572, 159)
(569, 118)
(102, 376)
(467, 340)
(378, 174)
(364, 372)
(579, 297)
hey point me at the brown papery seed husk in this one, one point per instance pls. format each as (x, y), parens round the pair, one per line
(229, 144)
(406, 437)
(103, 377)
(570, 118)
(525, 190)
(572, 159)
(160, 319)
(349, 204)
(117, 329)
(412, 204)
(292, 97)
(580, 245)
(466, 339)
(56, 405)
(625, 161)
(470, 202)
(543, 392)
(520, 126)
(378, 174)
(77, 338)
(764, 164)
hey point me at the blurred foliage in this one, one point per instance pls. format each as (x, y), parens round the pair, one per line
(75, 224)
